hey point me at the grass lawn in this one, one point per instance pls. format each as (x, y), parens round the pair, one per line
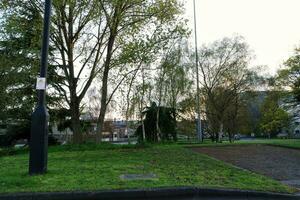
(291, 143)
(96, 167)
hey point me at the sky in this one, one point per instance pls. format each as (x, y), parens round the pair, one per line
(270, 27)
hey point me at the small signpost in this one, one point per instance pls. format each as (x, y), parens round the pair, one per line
(39, 122)
(41, 83)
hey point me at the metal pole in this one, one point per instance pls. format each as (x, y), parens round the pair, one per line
(198, 123)
(40, 117)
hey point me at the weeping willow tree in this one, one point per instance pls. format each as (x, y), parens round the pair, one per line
(167, 124)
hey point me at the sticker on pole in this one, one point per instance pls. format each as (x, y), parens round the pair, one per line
(41, 83)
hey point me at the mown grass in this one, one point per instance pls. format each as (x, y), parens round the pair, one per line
(96, 167)
(290, 143)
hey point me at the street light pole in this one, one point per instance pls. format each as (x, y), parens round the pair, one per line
(40, 117)
(198, 123)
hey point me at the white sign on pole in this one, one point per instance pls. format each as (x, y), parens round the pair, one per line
(41, 83)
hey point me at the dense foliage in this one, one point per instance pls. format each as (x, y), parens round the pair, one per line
(290, 75)
(274, 118)
(166, 122)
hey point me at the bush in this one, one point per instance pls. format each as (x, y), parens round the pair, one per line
(52, 140)
(20, 131)
(15, 132)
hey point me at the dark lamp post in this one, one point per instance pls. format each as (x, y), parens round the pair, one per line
(40, 117)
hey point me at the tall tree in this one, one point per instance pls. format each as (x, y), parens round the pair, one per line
(132, 18)
(172, 81)
(290, 75)
(19, 50)
(20, 46)
(224, 76)
(77, 43)
(80, 34)
(274, 118)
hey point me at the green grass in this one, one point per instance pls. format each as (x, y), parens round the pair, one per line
(95, 167)
(291, 143)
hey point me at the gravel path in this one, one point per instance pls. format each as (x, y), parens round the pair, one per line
(280, 163)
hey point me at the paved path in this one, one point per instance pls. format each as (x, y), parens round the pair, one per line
(280, 163)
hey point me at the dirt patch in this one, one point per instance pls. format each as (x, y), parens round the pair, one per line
(280, 163)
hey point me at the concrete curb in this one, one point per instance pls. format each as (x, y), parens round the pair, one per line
(174, 193)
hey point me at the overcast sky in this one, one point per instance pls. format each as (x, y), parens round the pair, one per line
(271, 27)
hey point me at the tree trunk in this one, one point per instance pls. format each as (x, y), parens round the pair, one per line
(212, 137)
(77, 134)
(143, 129)
(101, 117)
(233, 132)
(142, 120)
(100, 124)
(220, 133)
(76, 126)
(231, 139)
(127, 105)
(142, 104)
(126, 120)
(158, 132)
(158, 135)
